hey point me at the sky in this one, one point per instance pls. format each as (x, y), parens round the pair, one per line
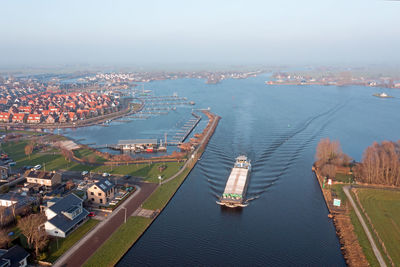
(46, 32)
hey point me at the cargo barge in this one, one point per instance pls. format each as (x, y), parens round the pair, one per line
(236, 186)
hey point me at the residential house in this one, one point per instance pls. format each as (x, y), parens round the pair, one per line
(5, 117)
(19, 117)
(62, 118)
(13, 257)
(72, 116)
(48, 179)
(34, 118)
(9, 199)
(64, 215)
(101, 192)
(25, 110)
(50, 119)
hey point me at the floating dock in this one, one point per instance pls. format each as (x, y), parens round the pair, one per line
(236, 186)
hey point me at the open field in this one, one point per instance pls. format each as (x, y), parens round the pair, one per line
(65, 243)
(88, 154)
(383, 207)
(163, 193)
(358, 230)
(119, 242)
(51, 160)
(344, 178)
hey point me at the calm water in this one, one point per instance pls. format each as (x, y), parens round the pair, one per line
(278, 127)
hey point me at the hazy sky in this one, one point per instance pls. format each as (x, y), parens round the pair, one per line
(217, 31)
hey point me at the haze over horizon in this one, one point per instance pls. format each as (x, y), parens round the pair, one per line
(178, 32)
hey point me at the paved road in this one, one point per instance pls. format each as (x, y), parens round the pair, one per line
(81, 251)
(377, 253)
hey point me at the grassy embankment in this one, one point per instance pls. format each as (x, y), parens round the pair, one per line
(119, 242)
(383, 208)
(52, 160)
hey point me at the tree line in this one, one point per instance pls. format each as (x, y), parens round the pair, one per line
(329, 156)
(380, 164)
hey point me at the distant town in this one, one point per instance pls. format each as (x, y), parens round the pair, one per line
(341, 78)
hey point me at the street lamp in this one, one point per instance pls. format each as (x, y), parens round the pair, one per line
(125, 213)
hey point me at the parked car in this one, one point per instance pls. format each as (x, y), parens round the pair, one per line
(105, 174)
(37, 167)
(113, 202)
(91, 214)
(12, 163)
(25, 168)
(84, 173)
(126, 177)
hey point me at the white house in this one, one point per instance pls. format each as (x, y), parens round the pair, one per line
(64, 215)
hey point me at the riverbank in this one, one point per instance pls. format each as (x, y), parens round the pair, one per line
(351, 249)
(127, 235)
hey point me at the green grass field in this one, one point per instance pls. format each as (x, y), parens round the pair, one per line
(119, 242)
(65, 243)
(344, 178)
(85, 153)
(55, 161)
(383, 207)
(358, 230)
(163, 193)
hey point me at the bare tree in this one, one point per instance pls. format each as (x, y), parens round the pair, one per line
(68, 154)
(328, 152)
(329, 170)
(380, 164)
(4, 238)
(32, 228)
(29, 149)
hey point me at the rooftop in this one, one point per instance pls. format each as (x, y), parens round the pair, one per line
(40, 174)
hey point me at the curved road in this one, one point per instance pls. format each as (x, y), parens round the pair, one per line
(377, 253)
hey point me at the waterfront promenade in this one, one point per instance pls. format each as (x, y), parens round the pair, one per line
(81, 251)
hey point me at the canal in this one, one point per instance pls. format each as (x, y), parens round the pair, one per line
(278, 128)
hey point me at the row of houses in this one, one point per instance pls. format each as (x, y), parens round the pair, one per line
(54, 107)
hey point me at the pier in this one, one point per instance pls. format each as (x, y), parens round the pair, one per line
(187, 128)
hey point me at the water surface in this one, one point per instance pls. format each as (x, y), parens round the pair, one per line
(278, 127)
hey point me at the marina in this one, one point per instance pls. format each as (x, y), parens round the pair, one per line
(181, 135)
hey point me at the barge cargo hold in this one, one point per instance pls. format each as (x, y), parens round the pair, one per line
(236, 186)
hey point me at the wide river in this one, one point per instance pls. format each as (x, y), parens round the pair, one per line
(278, 127)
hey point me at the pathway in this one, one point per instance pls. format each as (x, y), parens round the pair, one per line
(377, 253)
